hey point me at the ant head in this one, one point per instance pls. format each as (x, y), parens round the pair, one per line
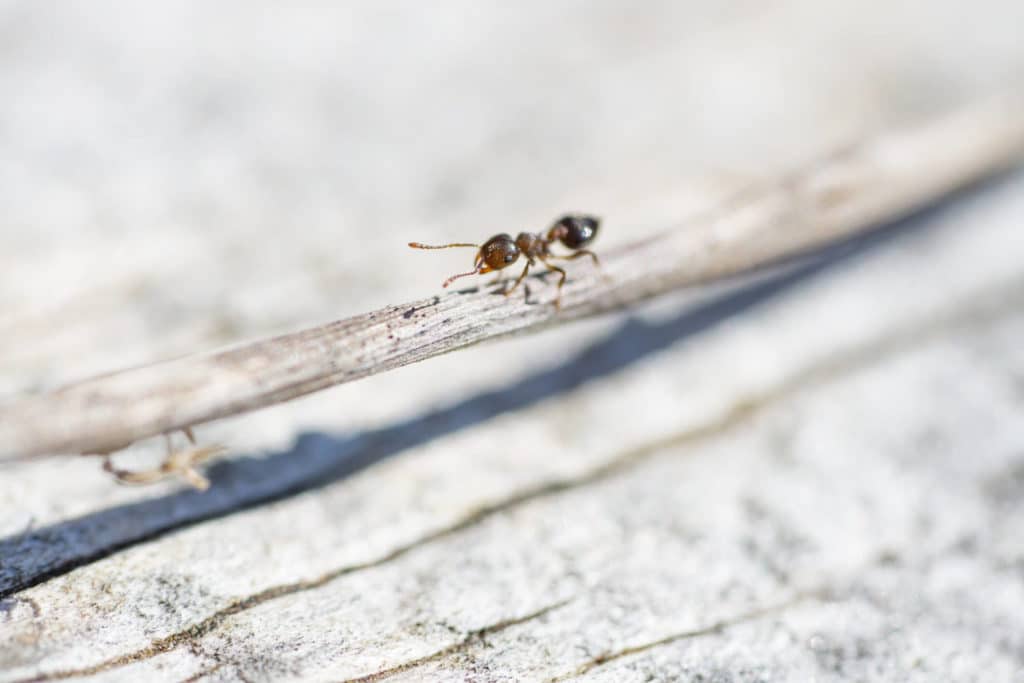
(575, 230)
(498, 252)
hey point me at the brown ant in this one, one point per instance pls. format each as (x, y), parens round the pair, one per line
(573, 231)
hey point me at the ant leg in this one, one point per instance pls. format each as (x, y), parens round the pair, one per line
(577, 254)
(561, 281)
(519, 279)
(585, 252)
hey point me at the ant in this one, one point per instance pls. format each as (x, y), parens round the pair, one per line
(573, 231)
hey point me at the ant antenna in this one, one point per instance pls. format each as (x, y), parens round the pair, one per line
(455, 277)
(417, 245)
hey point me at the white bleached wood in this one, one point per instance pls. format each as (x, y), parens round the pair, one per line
(802, 478)
(816, 477)
(842, 194)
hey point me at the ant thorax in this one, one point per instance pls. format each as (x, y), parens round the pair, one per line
(531, 245)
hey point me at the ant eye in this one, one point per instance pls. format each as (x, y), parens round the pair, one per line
(579, 230)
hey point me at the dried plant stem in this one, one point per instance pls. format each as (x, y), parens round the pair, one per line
(835, 197)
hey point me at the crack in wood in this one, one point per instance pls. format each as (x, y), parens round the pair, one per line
(84, 540)
(213, 663)
(203, 673)
(985, 308)
(824, 593)
(303, 473)
(469, 639)
(712, 629)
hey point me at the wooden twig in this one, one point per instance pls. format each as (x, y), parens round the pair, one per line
(834, 198)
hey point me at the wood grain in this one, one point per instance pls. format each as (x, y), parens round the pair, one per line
(847, 192)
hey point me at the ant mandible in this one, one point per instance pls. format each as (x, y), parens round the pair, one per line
(573, 231)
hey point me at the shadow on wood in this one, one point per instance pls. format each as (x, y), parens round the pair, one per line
(320, 459)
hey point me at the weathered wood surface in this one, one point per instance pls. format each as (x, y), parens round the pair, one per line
(843, 194)
(816, 476)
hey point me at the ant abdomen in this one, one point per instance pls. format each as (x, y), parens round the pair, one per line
(575, 230)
